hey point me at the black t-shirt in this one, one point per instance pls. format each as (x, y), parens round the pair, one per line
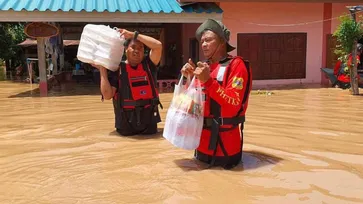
(113, 77)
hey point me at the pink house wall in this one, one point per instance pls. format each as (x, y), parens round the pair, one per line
(244, 17)
(188, 30)
(249, 17)
(340, 9)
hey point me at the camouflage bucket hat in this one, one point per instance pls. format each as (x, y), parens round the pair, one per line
(216, 27)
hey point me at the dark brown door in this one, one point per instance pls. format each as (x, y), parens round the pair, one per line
(274, 55)
(331, 57)
(173, 50)
(249, 47)
(194, 49)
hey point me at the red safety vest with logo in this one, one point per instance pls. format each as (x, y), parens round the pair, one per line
(137, 99)
(221, 141)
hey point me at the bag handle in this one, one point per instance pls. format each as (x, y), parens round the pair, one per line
(194, 84)
(181, 80)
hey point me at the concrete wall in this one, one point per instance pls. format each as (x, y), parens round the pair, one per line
(261, 18)
(340, 9)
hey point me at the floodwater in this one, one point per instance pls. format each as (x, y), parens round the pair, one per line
(301, 146)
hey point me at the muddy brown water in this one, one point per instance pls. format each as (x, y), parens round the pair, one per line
(301, 146)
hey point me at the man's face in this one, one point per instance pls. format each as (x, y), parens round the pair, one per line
(135, 52)
(210, 42)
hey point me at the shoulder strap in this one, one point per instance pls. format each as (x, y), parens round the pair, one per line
(246, 92)
(121, 89)
(151, 78)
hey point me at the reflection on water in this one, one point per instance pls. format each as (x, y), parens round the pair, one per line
(301, 146)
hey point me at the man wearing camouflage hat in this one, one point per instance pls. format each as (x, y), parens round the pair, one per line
(227, 83)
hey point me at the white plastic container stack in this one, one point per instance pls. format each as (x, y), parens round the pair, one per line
(101, 45)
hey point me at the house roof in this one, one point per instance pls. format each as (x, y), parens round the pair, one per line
(133, 6)
(33, 42)
(207, 7)
(104, 11)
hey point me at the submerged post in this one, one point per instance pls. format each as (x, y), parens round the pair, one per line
(40, 31)
(353, 72)
(43, 86)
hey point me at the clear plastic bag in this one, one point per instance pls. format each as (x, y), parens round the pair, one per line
(184, 119)
(101, 45)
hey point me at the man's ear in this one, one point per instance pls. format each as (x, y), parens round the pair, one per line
(222, 41)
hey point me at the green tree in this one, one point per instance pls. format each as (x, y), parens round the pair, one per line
(347, 34)
(11, 34)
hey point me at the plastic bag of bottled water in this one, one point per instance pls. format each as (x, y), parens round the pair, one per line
(101, 45)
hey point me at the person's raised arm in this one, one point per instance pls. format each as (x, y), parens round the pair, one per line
(155, 46)
(107, 90)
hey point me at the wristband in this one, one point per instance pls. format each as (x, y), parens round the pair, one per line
(135, 35)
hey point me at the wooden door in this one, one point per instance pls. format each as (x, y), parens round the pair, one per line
(294, 54)
(274, 55)
(173, 50)
(248, 47)
(331, 57)
(271, 61)
(194, 49)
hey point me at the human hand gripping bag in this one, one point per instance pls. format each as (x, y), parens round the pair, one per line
(101, 45)
(184, 119)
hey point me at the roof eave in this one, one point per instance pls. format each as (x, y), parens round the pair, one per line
(102, 17)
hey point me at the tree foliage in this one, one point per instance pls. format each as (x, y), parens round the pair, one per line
(11, 34)
(347, 33)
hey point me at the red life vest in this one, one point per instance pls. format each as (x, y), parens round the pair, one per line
(137, 98)
(221, 142)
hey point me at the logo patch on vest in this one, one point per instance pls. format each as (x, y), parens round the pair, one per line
(237, 83)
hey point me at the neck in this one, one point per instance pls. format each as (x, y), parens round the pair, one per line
(133, 64)
(217, 58)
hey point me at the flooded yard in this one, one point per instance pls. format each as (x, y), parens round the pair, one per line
(301, 146)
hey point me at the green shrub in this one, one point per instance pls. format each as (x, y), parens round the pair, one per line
(347, 33)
